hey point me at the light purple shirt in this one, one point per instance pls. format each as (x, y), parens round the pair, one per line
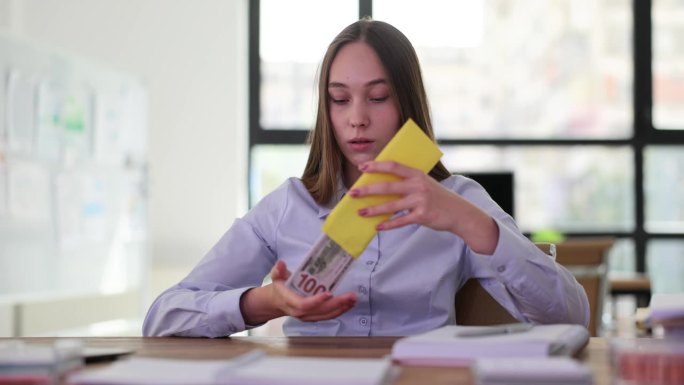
(405, 280)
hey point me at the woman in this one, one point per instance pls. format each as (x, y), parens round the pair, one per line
(444, 230)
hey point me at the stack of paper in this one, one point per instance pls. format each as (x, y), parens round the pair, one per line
(22, 363)
(667, 310)
(249, 369)
(461, 345)
(531, 371)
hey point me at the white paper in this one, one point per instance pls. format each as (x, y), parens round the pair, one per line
(20, 112)
(29, 191)
(21, 356)
(551, 370)
(4, 77)
(444, 346)
(48, 126)
(253, 368)
(667, 305)
(68, 200)
(162, 371)
(3, 184)
(311, 370)
(109, 132)
(77, 126)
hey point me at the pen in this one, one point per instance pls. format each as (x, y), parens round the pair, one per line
(492, 330)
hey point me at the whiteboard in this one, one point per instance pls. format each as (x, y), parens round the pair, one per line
(73, 181)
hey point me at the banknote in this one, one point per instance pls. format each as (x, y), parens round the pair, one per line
(321, 269)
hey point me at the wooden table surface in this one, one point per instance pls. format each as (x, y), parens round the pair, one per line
(595, 355)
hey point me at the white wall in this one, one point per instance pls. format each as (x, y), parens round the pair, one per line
(192, 56)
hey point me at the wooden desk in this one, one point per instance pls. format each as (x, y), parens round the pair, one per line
(595, 354)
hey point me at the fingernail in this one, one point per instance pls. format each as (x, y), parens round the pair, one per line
(363, 167)
(363, 212)
(354, 192)
(380, 226)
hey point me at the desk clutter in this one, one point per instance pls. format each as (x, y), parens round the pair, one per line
(24, 364)
(490, 355)
(509, 354)
(513, 353)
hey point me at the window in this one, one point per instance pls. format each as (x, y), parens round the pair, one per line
(668, 71)
(290, 49)
(564, 93)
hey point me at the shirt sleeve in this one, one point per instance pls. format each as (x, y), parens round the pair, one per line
(530, 284)
(206, 303)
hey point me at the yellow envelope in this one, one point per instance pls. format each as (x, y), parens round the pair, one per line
(409, 146)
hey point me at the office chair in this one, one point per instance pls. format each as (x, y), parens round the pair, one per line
(584, 258)
(587, 260)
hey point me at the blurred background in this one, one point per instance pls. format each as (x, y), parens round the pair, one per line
(133, 133)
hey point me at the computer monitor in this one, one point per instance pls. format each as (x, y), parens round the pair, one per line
(499, 185)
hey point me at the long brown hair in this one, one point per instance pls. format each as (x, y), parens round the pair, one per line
(401, 63)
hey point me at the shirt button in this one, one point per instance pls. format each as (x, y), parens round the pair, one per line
(501, 269)
(363, 321)
(362, 290)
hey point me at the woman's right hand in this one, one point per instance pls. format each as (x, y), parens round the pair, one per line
(274, 300)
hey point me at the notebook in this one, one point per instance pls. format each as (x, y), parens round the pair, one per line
(531, 371)
(252, 368)
(455, 345)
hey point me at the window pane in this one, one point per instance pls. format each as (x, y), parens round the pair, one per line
(291, 49)
(664, 183)
(577, 188)
(271, 165)
(665, 263)
(668, 64)
(529, 68)
(621, 257)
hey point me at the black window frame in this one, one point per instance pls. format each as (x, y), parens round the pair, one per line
(644, 133)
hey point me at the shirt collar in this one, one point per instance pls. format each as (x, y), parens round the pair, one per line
(324, 210)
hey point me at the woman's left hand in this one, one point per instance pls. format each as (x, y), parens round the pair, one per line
(427, 203)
